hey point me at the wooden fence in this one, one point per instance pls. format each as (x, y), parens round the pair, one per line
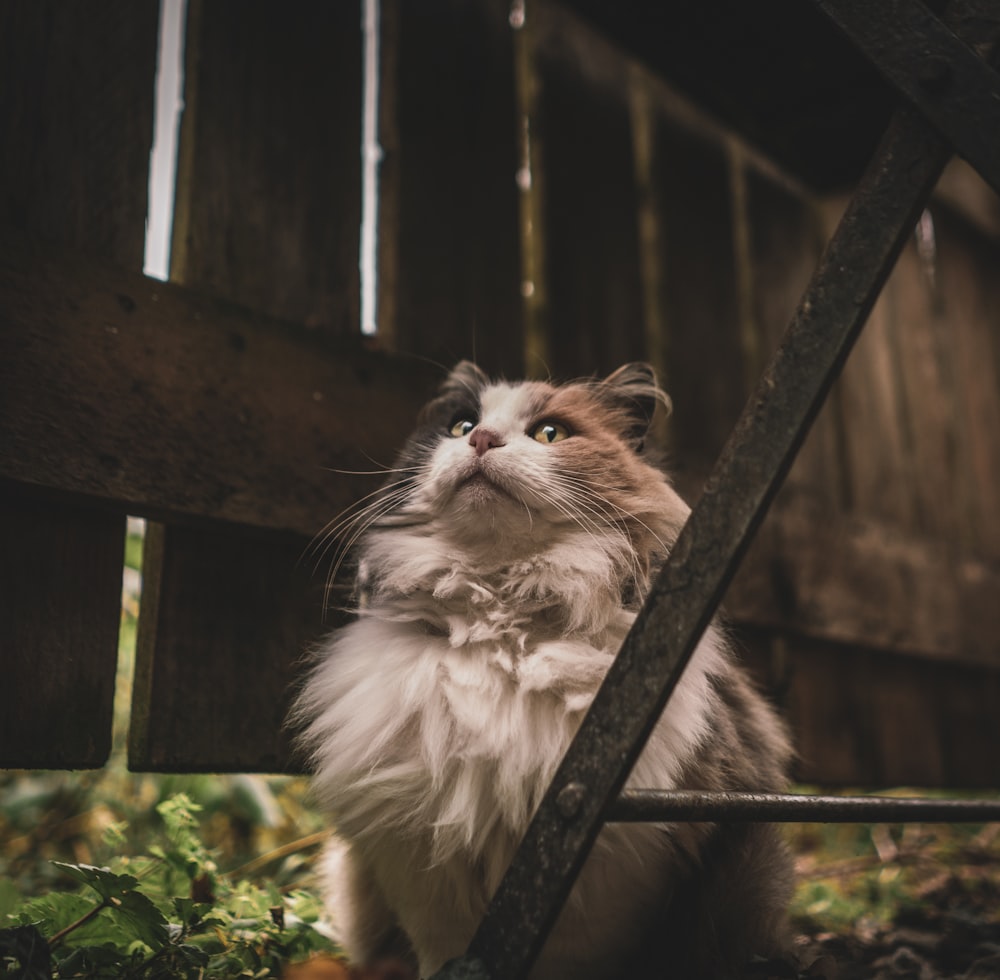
(216, 405)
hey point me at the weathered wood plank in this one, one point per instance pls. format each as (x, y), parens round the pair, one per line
(168, 403)
(967, 266)
(76, 131)
(77, 127)
(269, 216)
(449, 263)
(841, 579)
(784, 243)
(589, 200)
(269, 159)
(929, 384)
(60, 578)
(705, 368)
(875, 456)
(227, 620)
(860, 717)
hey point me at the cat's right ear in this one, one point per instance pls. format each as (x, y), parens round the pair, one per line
(465, 379)
(635, 390)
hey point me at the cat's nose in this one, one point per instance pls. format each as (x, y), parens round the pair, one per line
(482, 439)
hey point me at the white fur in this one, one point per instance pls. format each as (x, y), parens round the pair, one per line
(438, 717)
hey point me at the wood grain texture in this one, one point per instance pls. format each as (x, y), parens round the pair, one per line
(76, 121)
(77, 127)
(861, 717)
(269, 163)
(842, 579)
(785, 239)
(967, 266)
(169, 403)
(705, 367)
(449, 261)
(928, 387)
(60, 578)
(878, 458)
(589, 201)
(230, 616)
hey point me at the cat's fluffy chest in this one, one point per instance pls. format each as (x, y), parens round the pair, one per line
(462, 678)
(457, 698)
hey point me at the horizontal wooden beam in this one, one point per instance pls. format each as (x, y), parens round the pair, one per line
(832, 577)
(175, 405)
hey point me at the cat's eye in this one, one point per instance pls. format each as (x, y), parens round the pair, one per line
(548, 432)
(461, 427)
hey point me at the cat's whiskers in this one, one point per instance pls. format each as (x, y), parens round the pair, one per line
(358, 527)
(575, 515)
(347, 516)
(581, 494)
(631, 515)
(353, 527)
(353, 522)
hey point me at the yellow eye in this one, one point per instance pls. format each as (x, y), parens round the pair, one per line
(548, 432)
(461, 428)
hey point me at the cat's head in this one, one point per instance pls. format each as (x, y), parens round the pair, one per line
(506, 462)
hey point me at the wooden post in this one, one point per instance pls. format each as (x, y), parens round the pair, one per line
(76, 108)
(268, 215)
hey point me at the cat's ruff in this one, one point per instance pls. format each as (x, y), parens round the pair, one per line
(499, 590)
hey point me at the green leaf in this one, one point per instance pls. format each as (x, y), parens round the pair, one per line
(142, 919)
(54, 911)
(107, 884)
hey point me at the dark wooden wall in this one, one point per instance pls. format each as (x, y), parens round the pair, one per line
(869, 604)
(217, 405)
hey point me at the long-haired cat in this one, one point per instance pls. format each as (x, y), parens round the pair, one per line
(500, 571)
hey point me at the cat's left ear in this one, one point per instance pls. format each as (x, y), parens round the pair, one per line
(635, 390)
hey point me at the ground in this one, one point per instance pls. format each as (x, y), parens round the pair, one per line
(921, 902)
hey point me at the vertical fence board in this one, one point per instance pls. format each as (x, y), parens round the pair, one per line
(229, 613)
(970, 288)
(76, 129)
(928, 377)
(449, 261)
(785, 243)
(877, 458)
(269, 169)
(594, 287)
(60, 578)
(705, 370)
(872, 718)
(268, 215)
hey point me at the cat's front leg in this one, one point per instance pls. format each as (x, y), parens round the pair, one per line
(362, 922)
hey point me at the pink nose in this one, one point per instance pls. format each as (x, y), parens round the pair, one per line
(482, 439)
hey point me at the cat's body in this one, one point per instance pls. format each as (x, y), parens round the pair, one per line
(502, 572)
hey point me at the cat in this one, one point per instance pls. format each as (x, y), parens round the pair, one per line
(499, 572)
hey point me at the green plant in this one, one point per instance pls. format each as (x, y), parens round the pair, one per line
(168, 913)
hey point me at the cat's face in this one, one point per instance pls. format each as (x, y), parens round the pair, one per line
(529, 459)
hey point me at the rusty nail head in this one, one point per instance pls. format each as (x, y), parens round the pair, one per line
(570, 799)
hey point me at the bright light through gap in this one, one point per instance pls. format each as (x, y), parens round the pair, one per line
(371, 156)
(166, 122)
